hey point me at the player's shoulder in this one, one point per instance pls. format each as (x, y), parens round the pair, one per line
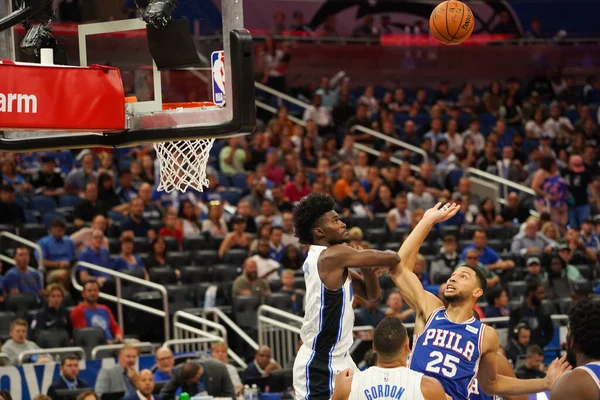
(577, 384)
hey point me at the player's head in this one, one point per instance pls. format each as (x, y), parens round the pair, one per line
(390, 341)
(583, 337)
(466, 284)
(315, 221)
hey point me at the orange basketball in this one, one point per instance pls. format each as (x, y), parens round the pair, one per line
(451, 22)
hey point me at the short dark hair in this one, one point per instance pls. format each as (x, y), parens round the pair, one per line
(91, 281)
(58, 223)
(68, 357)
(389, 337)
(276, 227)
(124, 172)
(584, 325)
(532, 286)
(546, 163)
(481, 279)
(479, 231)
(307, 214)
(189, 370)
(534, 350)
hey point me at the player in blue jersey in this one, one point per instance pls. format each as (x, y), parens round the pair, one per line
(583, 350)
(450, 345)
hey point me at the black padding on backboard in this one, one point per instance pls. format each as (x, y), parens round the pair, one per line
(173, 46)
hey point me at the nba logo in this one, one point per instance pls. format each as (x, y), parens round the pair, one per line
(218, 77)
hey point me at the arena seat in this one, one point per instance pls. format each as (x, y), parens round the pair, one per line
(51, 338)
(178, 259)
(33, 232)
(281, 301)
(192, 274)
(20, 303)
(244, 309)
(88, 338)
(180, 296)
(205, 257)
(197, 242)
(379, 221)
(376, 236)
(562, 305)
(172, 243)
(68, 200)
(362, 221)
(42, 203)
(496, 232)
(517, 289)
(225, 273)
(163, 275)
(6, 317)
(235, 256)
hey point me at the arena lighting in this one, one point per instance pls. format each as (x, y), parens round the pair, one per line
(159, 13)
(37, 37)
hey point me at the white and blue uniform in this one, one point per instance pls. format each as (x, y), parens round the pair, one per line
(592, 368)
(326, 334)
(386, 383)
(449, 352)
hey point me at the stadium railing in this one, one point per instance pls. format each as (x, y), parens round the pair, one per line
(119, 277)
(108, 350)
(188, 338)
(391, 140)
(282, 335)
(25, 242)
(53, 351)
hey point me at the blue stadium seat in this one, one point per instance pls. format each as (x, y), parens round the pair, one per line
(400, 119)
(49, 217)
(231, 196)
(572, 114)
(464, 119)
(31, 217)
(42, 203)
(115, 216)
(239, 181)
(422, 119)
(68, 200)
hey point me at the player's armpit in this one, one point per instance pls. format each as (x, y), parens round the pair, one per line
(343, 384)
(412, 291)
(432, 389)
(575, 385)
(343, 256)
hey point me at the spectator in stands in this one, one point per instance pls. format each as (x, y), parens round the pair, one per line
(534, 271)
(17, 343)
(557, 126)
(419, 198)
(532, 313)
(237, 238)
(279, 200)
(11, 213)
(122, 377)
(552, 191)
(97, 255)
(145, 387)
(533, 364)
(487, 213)
(353, 204)
(399, 216)
(58, 251)
(518, 342)
(21, 278)
(318, 113)
(151, 210)
(249, 283)
(383, 203)
(83, 237)
(126, 192)
(262, 365)
(276, 248)
(47, 181)
(471, 258)
(487, 255)
(292, 258)
(268, 268)
(297, 188)
(53, 316)
(158, 255)
(207, 375)
(514, 213)
(89, 207)
(497, 305)
(165, 363)
(10, 176)
(475, 135)
(442, 267)
(128, 260)
(69, 377)
(397, 308)
(78, 178)
(172, 227)
(588, 236)
(288, 237)
(579, 253)
(233, 156)
(287, 285)
(531, 242)
(108, 196)
(215, 224)
(89, 313)
(218, 351)
(557, 285)
(189, 215)
(258, 187)
(136, 222)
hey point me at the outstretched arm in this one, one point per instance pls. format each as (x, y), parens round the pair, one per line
(411, 289)
(501, 385)
(344, 256)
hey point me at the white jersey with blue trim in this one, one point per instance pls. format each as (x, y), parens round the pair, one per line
(329, 317)
(386, 383)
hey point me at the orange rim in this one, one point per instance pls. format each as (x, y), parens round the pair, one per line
(193, 104)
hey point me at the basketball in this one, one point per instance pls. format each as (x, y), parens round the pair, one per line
(451, 22)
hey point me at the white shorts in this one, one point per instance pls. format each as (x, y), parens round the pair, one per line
(314, 374)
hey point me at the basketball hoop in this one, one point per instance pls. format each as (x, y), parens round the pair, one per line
(183, 163)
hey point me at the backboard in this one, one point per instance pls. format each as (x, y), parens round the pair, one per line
(192, 79)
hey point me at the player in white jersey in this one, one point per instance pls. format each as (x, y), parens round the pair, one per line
(390, 378)
(330, 287)
(583, 350)
(449, 344)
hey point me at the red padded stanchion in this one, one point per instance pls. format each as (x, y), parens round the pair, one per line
(39, 97)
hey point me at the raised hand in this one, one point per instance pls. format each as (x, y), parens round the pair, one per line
(441, 213)
(556, 369)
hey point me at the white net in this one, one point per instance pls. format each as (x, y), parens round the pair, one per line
(183, 164)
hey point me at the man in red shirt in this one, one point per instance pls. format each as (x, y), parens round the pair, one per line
(89, 313)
